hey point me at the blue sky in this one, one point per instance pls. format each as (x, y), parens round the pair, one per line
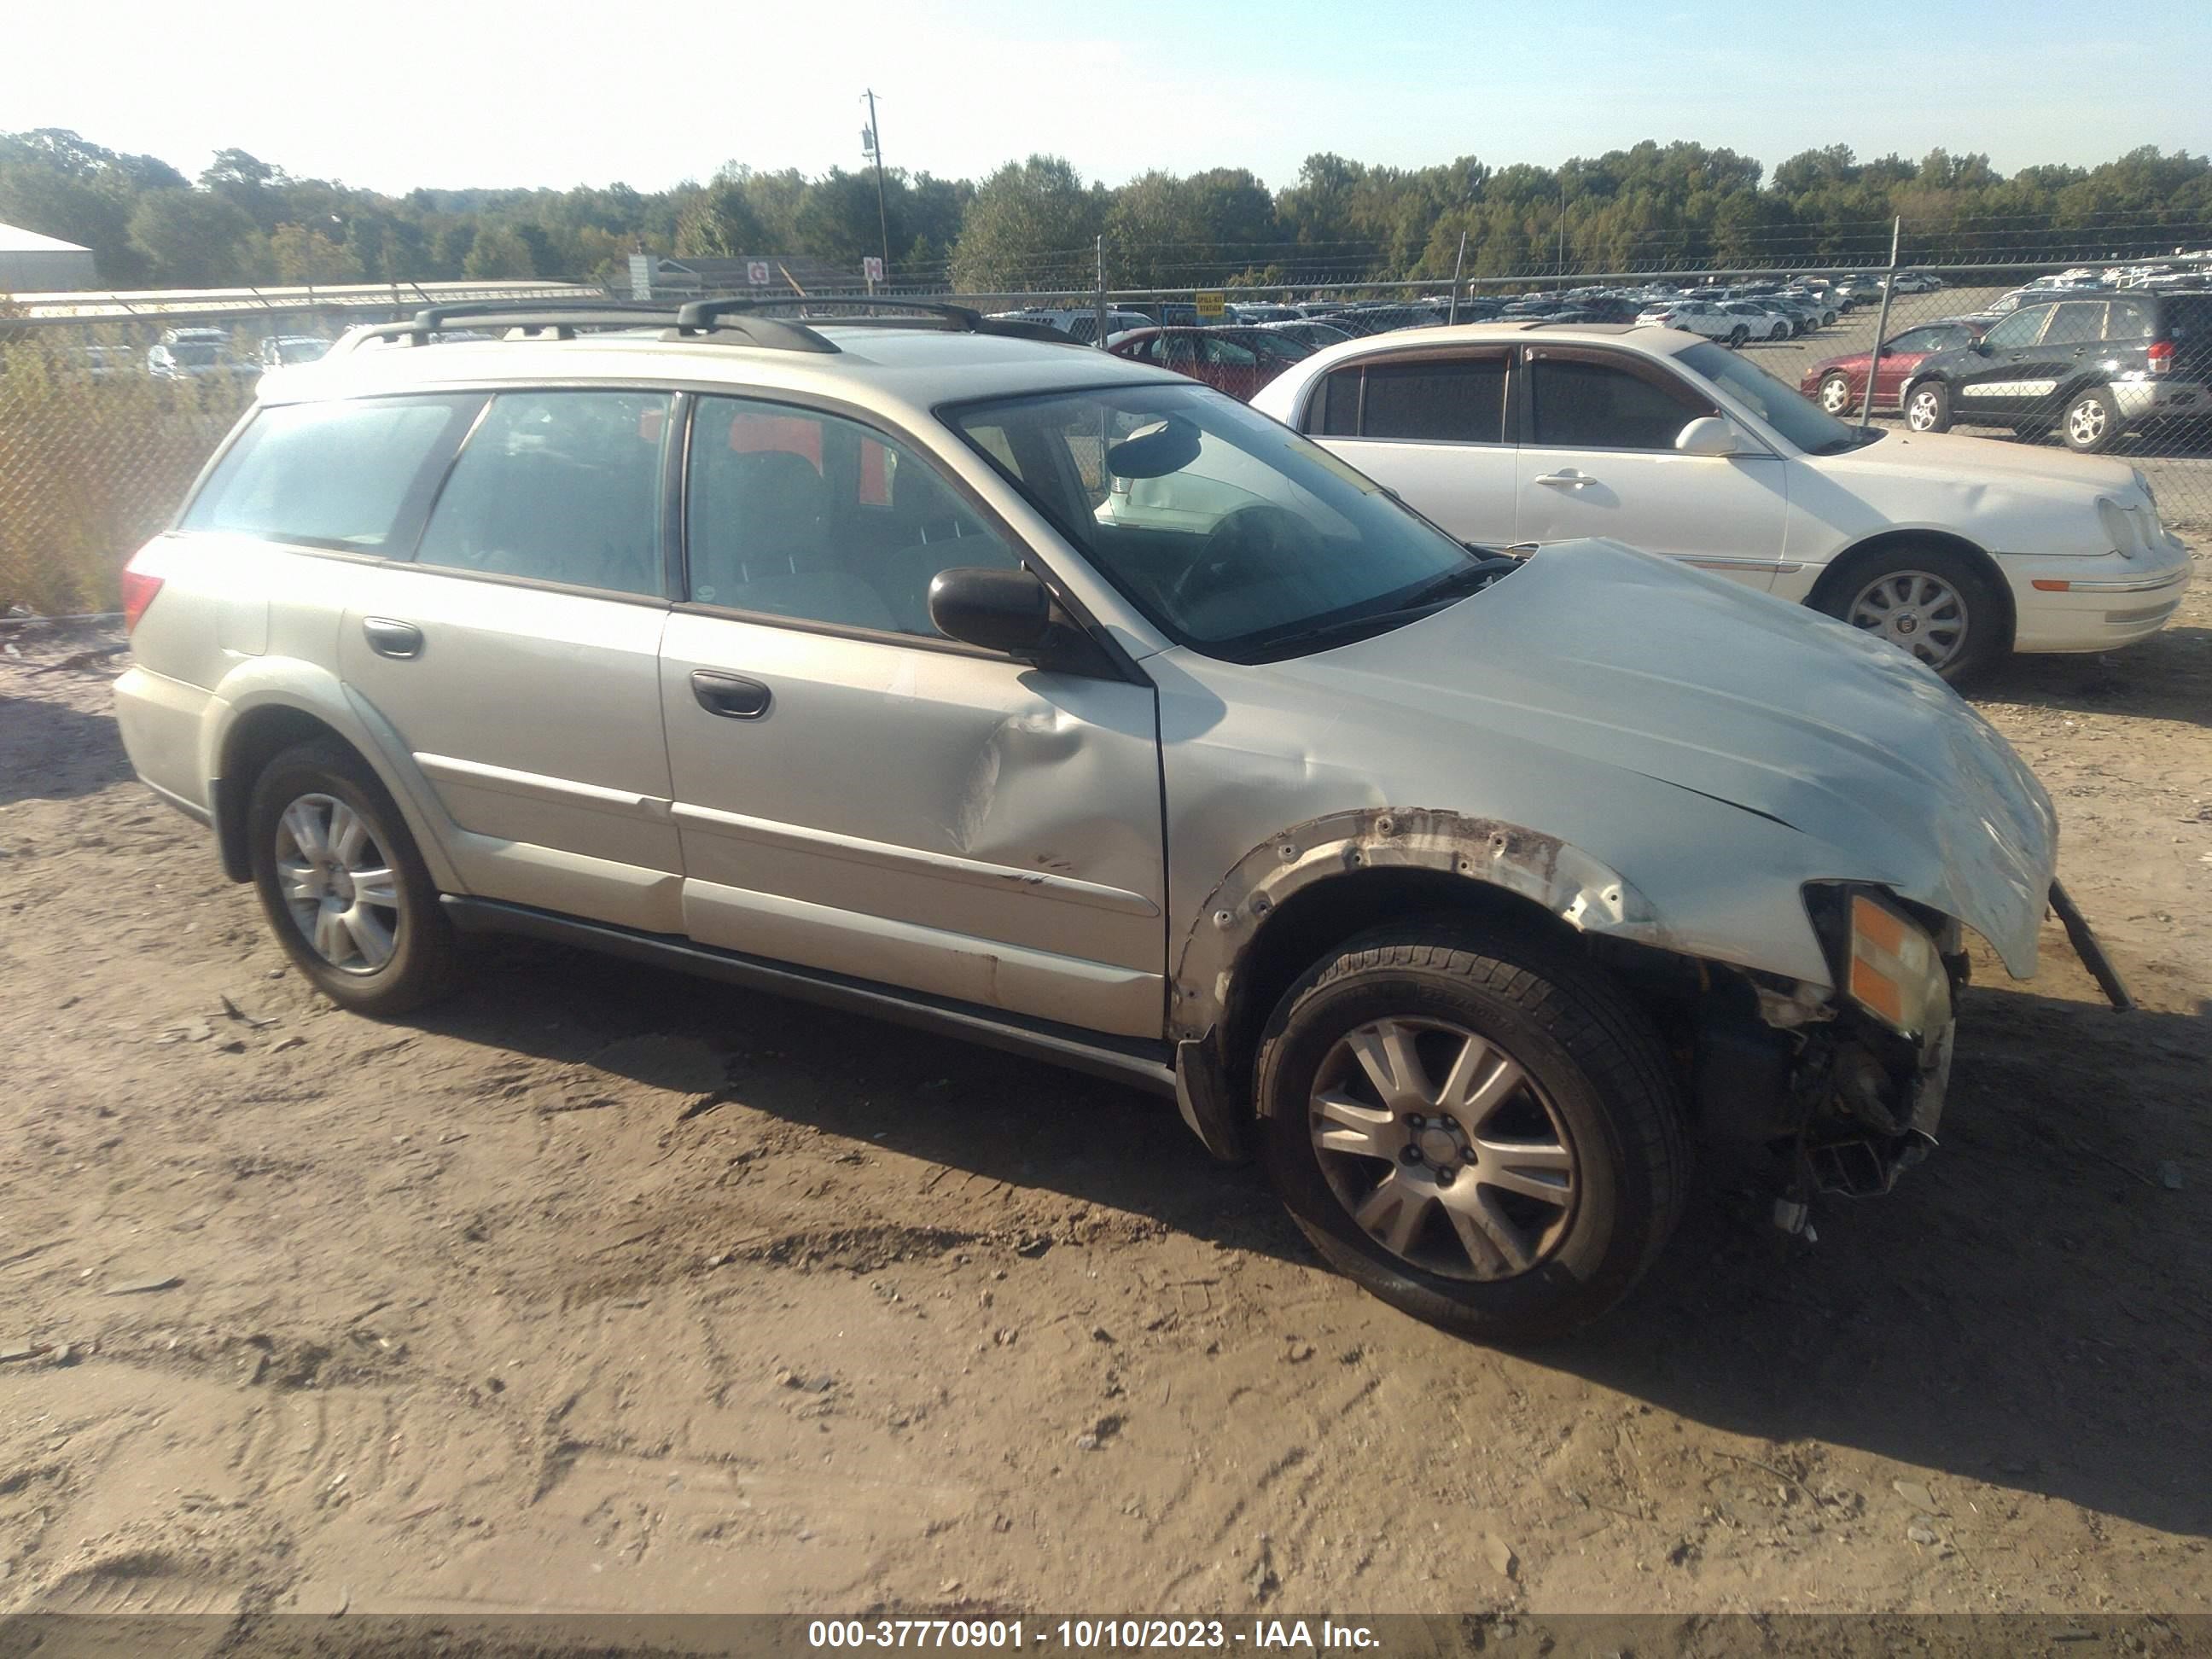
(554, 93)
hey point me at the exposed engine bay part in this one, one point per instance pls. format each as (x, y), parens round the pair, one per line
(2092, 953)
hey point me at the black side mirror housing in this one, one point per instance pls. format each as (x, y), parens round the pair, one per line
(1008, 611)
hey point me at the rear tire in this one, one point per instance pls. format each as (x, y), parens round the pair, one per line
(2091, 424)
(1525, 1151)
(1928, 407)
(343, 884)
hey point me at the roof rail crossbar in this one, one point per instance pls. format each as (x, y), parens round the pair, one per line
(960, 320)
(563, 317)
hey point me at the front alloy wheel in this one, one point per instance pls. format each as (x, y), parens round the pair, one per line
(1442, 1149)
(1917, 611)
(1835, 394)
(1479, 1129)
(1928, 408)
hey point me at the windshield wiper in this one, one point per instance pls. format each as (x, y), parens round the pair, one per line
(1423, 601)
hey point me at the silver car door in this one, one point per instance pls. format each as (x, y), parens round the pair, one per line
(856, 793)
(515, 661)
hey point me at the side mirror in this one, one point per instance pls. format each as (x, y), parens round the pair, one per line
(1007, 610)
(1708, 435)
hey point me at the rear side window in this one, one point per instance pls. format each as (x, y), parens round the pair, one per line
(2130, 320)
(2079, 322)
(347, 476)
(558, 487)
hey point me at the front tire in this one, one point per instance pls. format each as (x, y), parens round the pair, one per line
(1835, 393)
(1928, 407)
(343, 884)
(1738, 335)
(2091, 424)
(1934, 603)
(1484, 1134)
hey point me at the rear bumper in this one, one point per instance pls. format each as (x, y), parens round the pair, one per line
(162, 721)
(2159, 399)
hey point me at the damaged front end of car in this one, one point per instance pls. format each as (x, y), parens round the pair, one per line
(1845, 1083)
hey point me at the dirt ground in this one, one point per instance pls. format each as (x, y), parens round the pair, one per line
(603, 1289)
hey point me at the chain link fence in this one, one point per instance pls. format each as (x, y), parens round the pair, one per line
(104, 422)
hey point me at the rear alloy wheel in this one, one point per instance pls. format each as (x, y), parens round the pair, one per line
(1928, 407)
(1835, 393)
(344, 889)
(2091, 424)
(1483, 1135)
(1932, 602)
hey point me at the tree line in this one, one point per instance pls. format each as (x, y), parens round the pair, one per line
(1031, 224)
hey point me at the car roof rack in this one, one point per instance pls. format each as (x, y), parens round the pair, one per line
(934, 314)
(562, 318)
(704, 318)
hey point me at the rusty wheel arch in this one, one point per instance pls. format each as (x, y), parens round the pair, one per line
(1489, 854)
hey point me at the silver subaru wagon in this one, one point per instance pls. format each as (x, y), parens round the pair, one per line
(927, 666)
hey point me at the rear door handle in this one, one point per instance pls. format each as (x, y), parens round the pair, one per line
(731, 695)
(388, 638)
(1564, 480)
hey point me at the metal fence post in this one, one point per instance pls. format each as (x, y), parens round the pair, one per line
(1101, 341)
(1881, 325)
(1458, 266)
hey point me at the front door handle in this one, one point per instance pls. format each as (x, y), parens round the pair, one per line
(388, 638)
(731, 695)
(1564, 480)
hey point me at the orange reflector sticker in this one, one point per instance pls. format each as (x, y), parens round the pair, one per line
(2043, 587)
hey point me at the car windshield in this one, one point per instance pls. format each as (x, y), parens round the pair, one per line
(302, 351)
(1782, 407)
(1234, 534)
(192, 353)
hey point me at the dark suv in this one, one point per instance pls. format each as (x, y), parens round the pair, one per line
(2094, 366)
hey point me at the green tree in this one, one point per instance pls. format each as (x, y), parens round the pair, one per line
(498, 253)
(193, 240)
(299, 254)
(1031, 224)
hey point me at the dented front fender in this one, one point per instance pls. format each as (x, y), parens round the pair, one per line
(1581, 890)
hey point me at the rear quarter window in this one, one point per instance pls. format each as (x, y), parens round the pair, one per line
(351, 476)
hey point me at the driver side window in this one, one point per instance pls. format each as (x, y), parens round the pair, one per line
(791, 513)
(2022, 328)
(1582, 403)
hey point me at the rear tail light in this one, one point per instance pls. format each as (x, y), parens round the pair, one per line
(2161, 356)
(138, 591)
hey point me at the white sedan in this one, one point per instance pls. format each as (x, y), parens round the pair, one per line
(1704, 317)
(1956, 549)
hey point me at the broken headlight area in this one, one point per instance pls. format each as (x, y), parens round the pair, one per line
(1848, 1085)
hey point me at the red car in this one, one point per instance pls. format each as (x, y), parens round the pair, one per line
(1236, 360)
(1839, 385)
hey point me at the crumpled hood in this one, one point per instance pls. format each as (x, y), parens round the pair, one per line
(1632, 662)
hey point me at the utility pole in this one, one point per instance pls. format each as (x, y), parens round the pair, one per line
(875, 148)
(1563, 228)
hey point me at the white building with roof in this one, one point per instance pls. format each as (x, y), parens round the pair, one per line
(31, 263)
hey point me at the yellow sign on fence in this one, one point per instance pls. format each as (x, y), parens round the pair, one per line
(1212, 306)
